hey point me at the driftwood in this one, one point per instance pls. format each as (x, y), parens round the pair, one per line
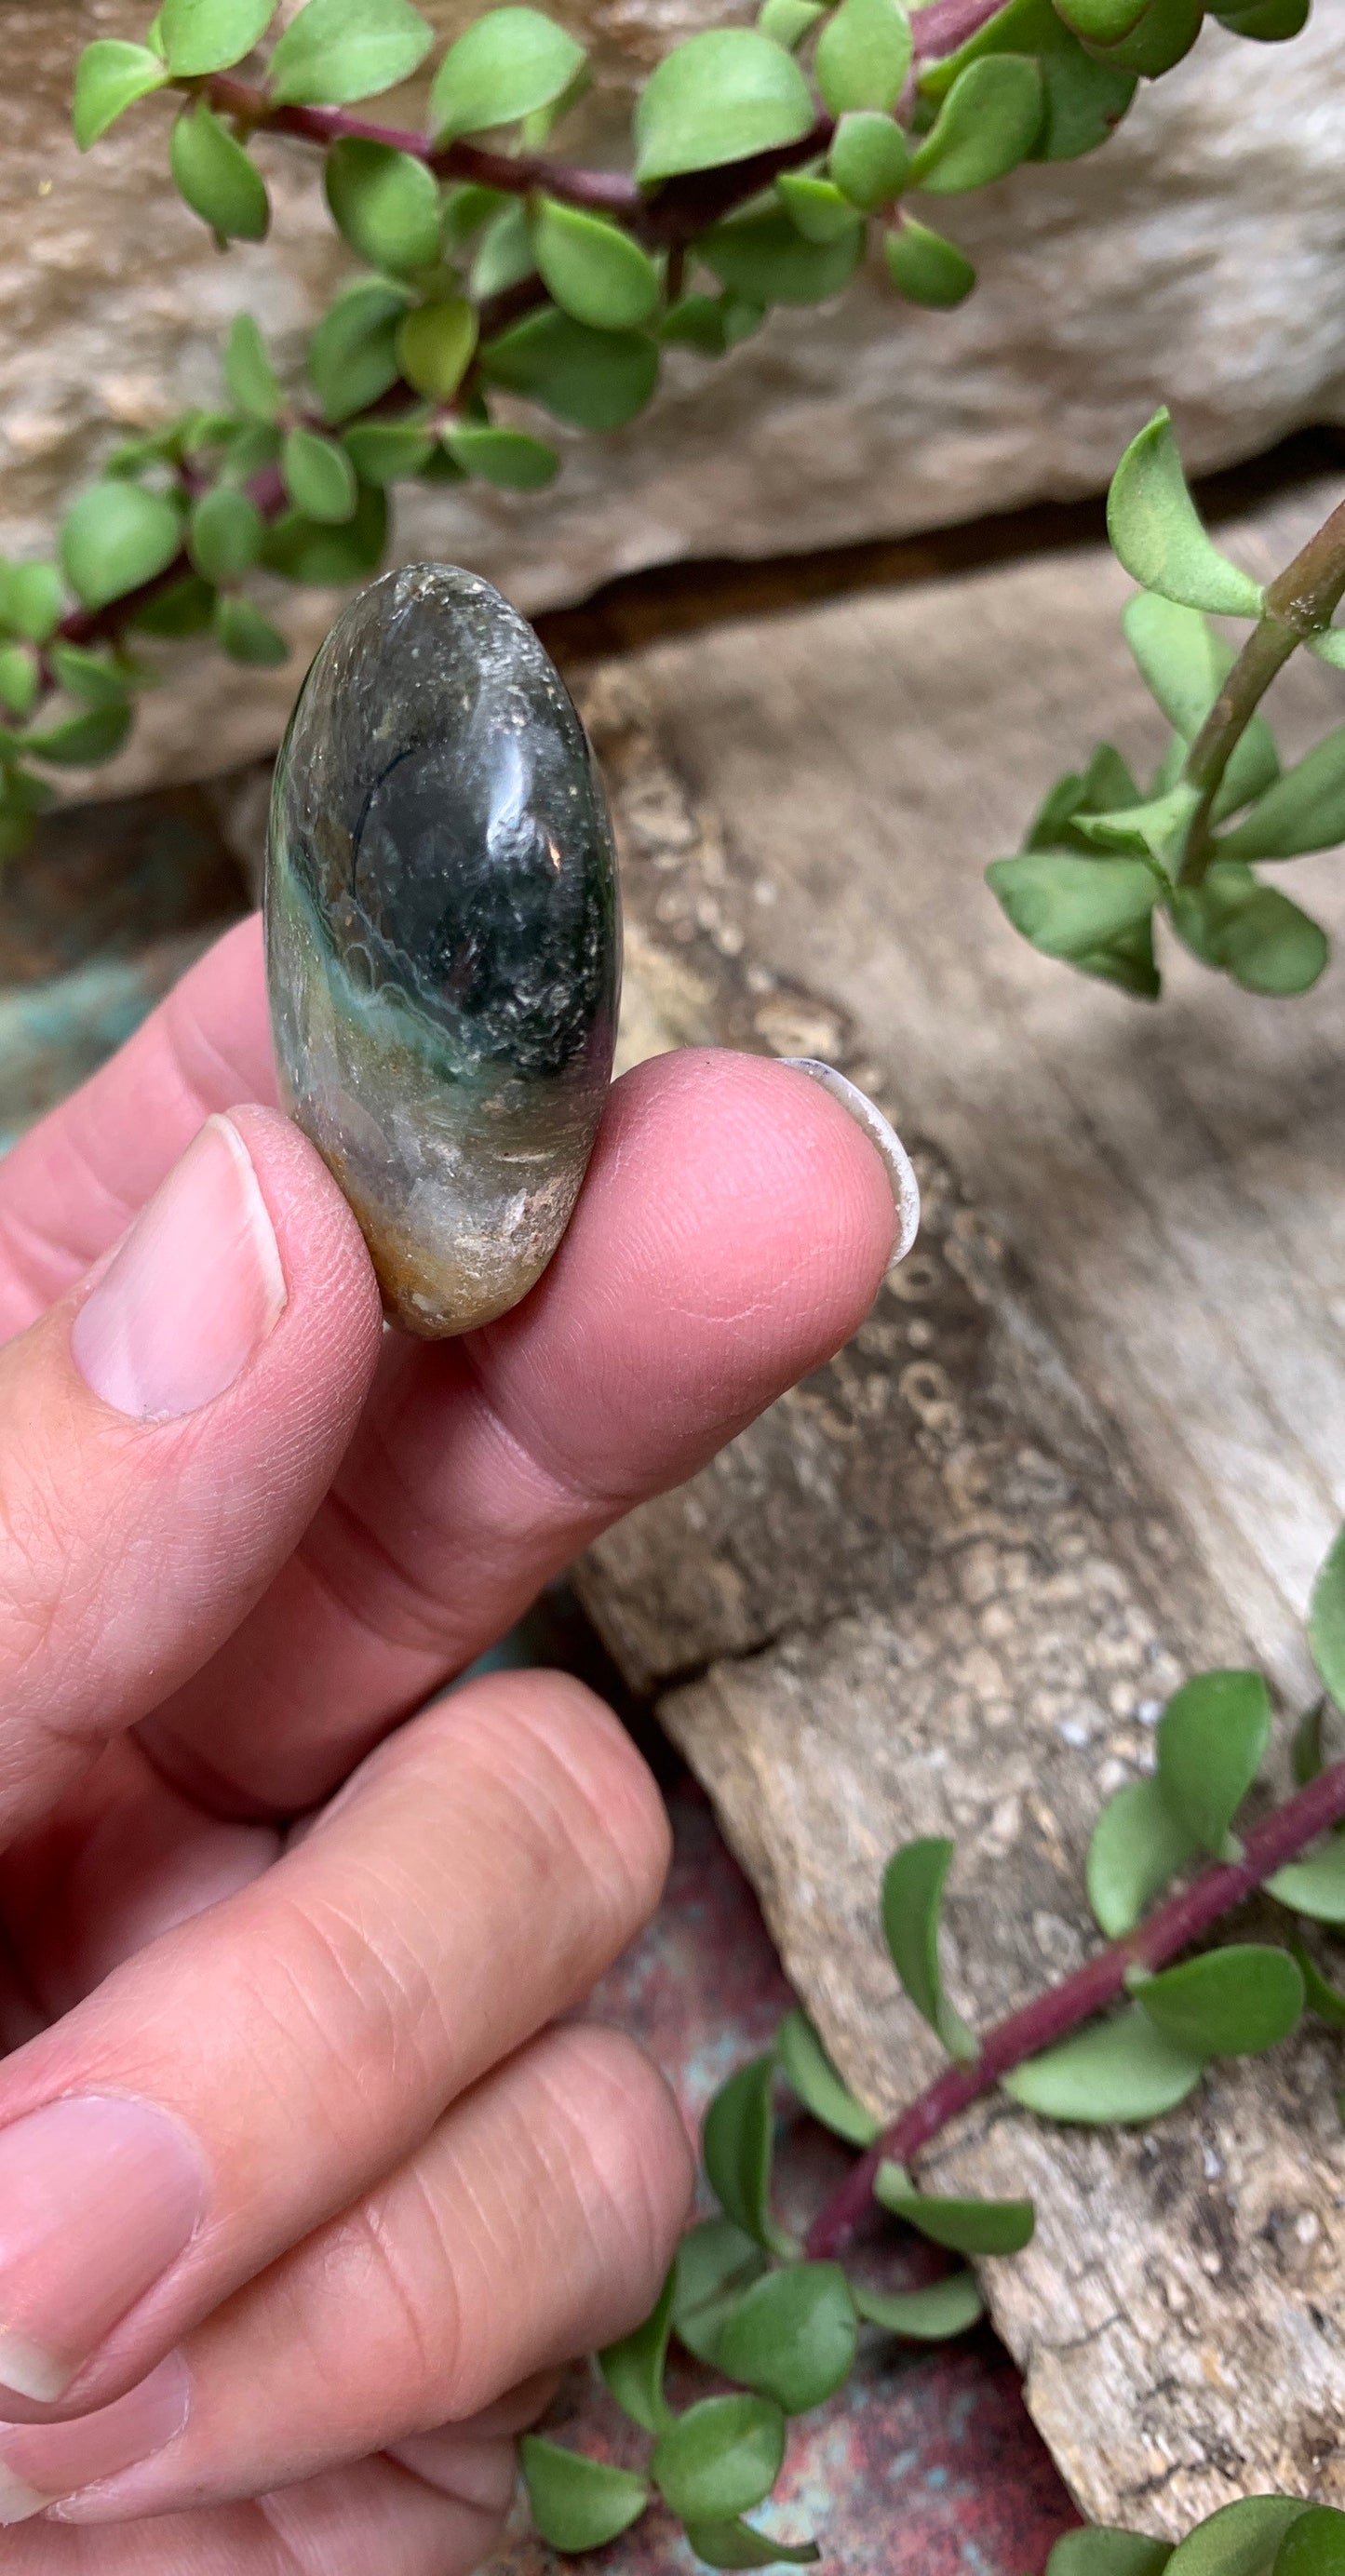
(1090, 1439)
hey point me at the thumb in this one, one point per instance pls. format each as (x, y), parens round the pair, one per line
(166, 1432)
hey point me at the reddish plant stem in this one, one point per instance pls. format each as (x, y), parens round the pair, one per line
(1052, 2016)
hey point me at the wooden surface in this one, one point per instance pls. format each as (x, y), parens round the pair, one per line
(1090, 1439)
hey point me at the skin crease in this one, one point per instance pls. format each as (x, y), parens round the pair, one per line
(254, 1874)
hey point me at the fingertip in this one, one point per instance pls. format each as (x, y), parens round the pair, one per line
(329, 1277)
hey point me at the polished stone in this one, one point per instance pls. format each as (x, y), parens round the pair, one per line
(443, 940)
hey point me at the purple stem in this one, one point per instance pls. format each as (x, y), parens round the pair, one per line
(1051, 2017)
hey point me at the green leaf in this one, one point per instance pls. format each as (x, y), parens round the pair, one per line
(1267, 22)
(305, 550)
(224, 534)
(1100, 2551)
(787, 22)
(925, 267)
(716, 2263)
(82, 742)
(964, 2226)
(1240, 2540)
(1309, 1744)
(913, 1883)
(506, 457)
(1251, 932)
(1076, 908)
(1321, 1997)
(1314, 2545)
(217, 178)
(736, 2544)
(578, 2503)
(1304, 810)
(1234, 2002)
(931, 2315)
(1212, 1738)
(467, 208)
(1185, 664)
(719, 2458)
(319, 477)
(593, 379)
(762, 256)
(20, 679)
(719, 96)
(1120, 2071)
(383, 451)
(32, 598)
(1157, 535)
(593, 269)
(505, 253)
(869, 157)
(115, 537)
(633, 2369)
(1314, 1885)
(987, 124)
(246, 636)
(352, 355)
(1139, 1844)
(1165, 30)
(1084, 99)
(807, 2067)
(1326, 1613)
(792, 2337)
(435, 346)
(1158, 827)
(91, 677)
(248, 371)
(1329, 646)
(815, 207)
(863, 55)
(736, 2148)
(185, 608)
(384, 203)
(210, 35)
(339, 50)
(507, 64)
(110, 77)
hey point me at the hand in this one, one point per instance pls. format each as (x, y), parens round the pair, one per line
(306, 2180)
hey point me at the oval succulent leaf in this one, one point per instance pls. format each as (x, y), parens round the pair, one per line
(1121, 2071)
(1314, 2545)
(787, 22)
(435, 346)
(595, 271)
(1322, 1997)
(792, 2337)
(963, 2226)
(592, 379)
(209, 35)
(384, 451)
(1070, 907)
(633, 2369)
(319, 477)
(869, 158)
(1304, 810)
(509, 63)
(815, 207)
(92, 677)
(736, 2544)
(1234, 2002)
(863, 55)
(913, 1884)
(248, 371)
(1314, 1885)
(1139, 1844)
(20, 679)
(339, 50)
(806, 2066)
(1212, 1738)
(1102, 2551)
(763, 257)
(718, 97)
(1156, 531)
(720, 2458)
(84, 741)
(216, 177)
(931, 2315)
(32, 597)
(925, 267)
(987, 124)
(384, 203)
(508, 458)
(110, 77)
(578, 2503)
(716, 2263)
(1240, 2540)
(737, 2148)
(246, 636)
(1326, 1613)
(114, 538)
(353, 353)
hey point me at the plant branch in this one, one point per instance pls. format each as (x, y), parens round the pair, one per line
(1052, 2016)
(1298, 603)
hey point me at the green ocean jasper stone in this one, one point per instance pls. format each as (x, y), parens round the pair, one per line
(443, 940)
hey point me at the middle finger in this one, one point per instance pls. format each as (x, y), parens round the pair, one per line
(252, 2072)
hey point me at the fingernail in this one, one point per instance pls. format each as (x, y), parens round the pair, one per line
(46, 2465)
(867, 1115)
(191, 1293)
(97, 2197)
